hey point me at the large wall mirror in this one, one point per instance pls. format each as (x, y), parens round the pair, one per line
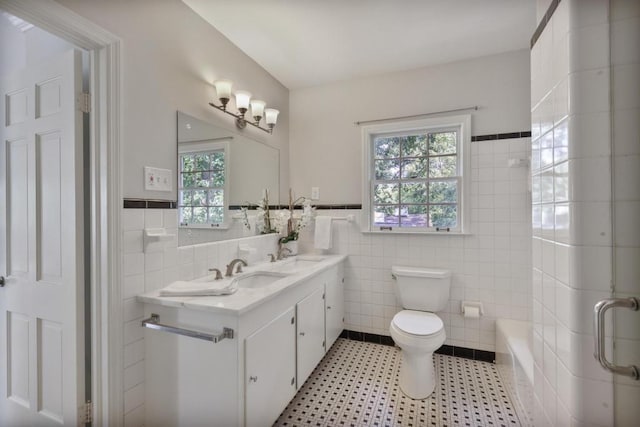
(218, 171)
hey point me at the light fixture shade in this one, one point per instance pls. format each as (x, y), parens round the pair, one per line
(242, 99)
(223, 88)
(257, 109)
(271, 116)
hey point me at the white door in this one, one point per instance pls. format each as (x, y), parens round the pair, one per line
(270, 370)
(334, 300)
(41, 245)
(310, 340)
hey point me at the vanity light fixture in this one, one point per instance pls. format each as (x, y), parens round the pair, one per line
(243, 103)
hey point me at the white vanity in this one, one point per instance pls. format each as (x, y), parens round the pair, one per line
(283, 318)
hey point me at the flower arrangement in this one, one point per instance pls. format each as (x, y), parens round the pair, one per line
(263, 216)
(289, 226)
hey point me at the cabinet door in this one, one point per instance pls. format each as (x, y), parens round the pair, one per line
(270, 370)
(335, 304)
(310, 342)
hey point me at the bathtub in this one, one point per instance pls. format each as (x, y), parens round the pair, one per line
(514, 360)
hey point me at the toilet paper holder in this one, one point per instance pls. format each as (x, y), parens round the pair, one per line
(474, 304)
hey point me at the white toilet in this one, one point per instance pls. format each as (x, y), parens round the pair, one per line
(417, 330)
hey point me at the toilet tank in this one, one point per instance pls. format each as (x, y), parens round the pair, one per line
(423, 289)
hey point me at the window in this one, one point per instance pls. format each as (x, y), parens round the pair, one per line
(415, 175)
(202, 184)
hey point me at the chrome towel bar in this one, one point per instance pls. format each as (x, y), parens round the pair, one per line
(153, 323)
(599, 311)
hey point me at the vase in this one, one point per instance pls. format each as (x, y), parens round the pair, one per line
(292, 245)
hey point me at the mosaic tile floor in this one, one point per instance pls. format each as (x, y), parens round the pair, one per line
(356, 384)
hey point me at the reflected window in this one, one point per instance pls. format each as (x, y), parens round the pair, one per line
(202, 180)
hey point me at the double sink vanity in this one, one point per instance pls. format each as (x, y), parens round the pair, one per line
(238, 359)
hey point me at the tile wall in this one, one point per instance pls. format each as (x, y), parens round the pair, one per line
(492, 265)
(585, 89)
(161, 264)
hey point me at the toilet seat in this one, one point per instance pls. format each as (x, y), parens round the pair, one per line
(418, 323)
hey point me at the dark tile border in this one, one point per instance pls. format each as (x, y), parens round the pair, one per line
(495, 136)
(148, 204)
(448, 350)
(317, 207)
(544, 21)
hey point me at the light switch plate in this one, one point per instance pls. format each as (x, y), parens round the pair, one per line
(315, 193)
(157, 179)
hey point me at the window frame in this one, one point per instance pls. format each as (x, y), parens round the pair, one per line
(206, 147)
(462, 124)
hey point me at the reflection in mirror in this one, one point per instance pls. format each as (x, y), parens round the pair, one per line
(219, 171)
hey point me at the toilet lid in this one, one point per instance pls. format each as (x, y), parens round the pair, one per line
(418, 322)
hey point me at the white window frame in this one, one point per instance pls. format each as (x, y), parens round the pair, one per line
(203, 147)
(369, 132)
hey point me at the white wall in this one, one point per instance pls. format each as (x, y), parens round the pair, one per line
(585, 90)
(493, 264)
(325, 143)
(170, 56)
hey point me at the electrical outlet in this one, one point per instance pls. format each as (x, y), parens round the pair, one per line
(315, 193)
(157, 179)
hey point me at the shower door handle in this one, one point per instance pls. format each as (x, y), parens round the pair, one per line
(599, 311)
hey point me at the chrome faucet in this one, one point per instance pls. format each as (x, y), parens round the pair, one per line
(232, 264)
(218, 273)
(281, 251)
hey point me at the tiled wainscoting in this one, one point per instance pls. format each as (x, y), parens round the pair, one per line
(491, 265)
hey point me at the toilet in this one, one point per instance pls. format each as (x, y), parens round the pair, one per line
(417, 330)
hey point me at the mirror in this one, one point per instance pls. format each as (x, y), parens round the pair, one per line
(218, 171)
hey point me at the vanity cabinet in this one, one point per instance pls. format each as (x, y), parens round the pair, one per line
(249, 379)
(310, 339)
(270, 369)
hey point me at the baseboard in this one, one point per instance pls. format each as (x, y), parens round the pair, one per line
(449, 350)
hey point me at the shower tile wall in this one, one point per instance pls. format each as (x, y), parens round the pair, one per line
(491, 265)
(575, 81)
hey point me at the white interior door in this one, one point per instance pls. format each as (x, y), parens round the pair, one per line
(41, 245)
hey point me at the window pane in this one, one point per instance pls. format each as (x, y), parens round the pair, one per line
(217, 179)
(387, 169)
(202, 161)
(201, 179)
(200, 198)
(414, 192)
(188, 180)
(216, 215)
(414, 146)
(386, 147)
(186, 198)
(443, 166)
(216, 197)
(385, 193)
(199, 215)
(414, 216)
(443, 216)
(442, 143)
(385, 215)
(217, 160)
(187, 163)
(414, 168)
(443, 192)
(185, 215)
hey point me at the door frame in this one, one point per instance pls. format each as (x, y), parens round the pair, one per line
(105, 195)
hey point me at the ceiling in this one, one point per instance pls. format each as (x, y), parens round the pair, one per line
(312, 42)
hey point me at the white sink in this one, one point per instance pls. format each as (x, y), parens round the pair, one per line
(298, 263)
(258, 279)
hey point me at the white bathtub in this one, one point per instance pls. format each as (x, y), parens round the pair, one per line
(514, 360)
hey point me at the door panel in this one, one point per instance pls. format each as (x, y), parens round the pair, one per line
(310, 339)
(42, 245)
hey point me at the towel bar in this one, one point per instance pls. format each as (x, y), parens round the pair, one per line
(153, 323)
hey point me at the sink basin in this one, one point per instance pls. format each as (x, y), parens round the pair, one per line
(298, 263)
(258, 279)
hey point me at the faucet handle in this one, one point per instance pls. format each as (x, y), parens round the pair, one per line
(218, 273)
(272, 258)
